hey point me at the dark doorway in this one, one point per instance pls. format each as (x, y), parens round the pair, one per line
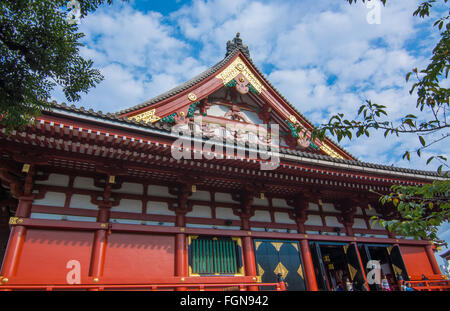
(274, 257)
(7, 209)
(335, 269)
(390, 260)
(335, 264)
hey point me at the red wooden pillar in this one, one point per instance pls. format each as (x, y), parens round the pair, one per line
(249, 256)
(248, 250)
(310, 276)
(100, 243)
(180, 245)
(16, 240)
(432, 259)
(180, 238)
(300, 204)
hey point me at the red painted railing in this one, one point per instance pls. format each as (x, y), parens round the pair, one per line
(431, 285)
(280, 286)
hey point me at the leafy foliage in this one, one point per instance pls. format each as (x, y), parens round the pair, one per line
(39, 50)
(422, 209)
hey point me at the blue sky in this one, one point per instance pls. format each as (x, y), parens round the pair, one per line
(323, 56)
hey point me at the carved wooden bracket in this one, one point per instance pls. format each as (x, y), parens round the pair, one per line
(265, 113)
(204, 106)
(183, 188)
(348, 209)
(13, 175)
(105, 201)
(246, 197)
(300, 204)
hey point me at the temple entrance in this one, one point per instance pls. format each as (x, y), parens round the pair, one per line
(390, 260)
(335, 264)
(275, 257)
(7, 209)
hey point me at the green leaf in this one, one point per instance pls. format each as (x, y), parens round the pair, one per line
(407, 76)
(422, 140)
(407, 155)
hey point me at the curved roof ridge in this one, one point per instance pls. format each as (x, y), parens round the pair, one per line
(164, 127)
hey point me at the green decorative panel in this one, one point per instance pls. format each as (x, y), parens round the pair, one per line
(170, 118)
(214, 256)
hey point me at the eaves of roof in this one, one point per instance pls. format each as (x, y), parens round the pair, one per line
(164, 129)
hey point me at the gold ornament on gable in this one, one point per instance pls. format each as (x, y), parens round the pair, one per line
(148, 117)
(239, 67)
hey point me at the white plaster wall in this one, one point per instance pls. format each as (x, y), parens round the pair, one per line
(156, 223)
(406, 237)
(203, 226)
(257, 229)
(200, 211)
(313, 206)
(252, 116)
(126, 221)
(62, 217)
(359, 223)
(201, 196)
(312, 232)
(228, 227)
(52, 199)
(128, 206)
(224, 197)
(261, 216)
(334, 233)
(382, 236)
(279, 203)
(82, 201)
(45, 216)
(159, 208)
(226, 213)
(81, 218)
(55, 180)
(85, 183)
(261, 202)
(283, 218)
(375, 225)
(332, 221)
(278, 230)
(314, 220)
(218, 110)
(371, 212)
(131, 188)
(359, 211)
(160, 191)
(329, 207)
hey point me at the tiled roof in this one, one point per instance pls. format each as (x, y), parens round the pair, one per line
(232, 50)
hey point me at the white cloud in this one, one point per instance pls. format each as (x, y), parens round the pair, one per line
(131, 37)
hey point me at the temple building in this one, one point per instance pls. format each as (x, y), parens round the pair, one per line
(215, 184)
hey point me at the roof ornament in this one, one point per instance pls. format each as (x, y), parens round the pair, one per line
(237, 44)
